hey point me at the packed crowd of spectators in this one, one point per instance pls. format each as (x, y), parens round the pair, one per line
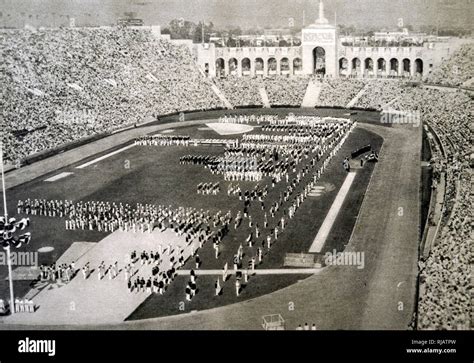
(380, 93)
(445, 301)
(61, 85)
(445, 297)
(338, 92)
(445, 293)
(65, 84)
(456, 70)
(241, 91)
(286, 91)
(281, 90)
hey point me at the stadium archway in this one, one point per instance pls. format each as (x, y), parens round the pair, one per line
(297, 65)
(406, 67)
(259, 66)
(284, 66)
(356, 64)
(245, 66)
(381, 66)
(233, 66)
(220, 67)
(272, 66)
(394, 67)
(419, 67)
(369, 66)
(319, 61)
(343, 66)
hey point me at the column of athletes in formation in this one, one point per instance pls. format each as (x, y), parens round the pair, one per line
(295, 151)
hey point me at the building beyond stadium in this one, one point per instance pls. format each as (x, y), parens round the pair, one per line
(321, 53)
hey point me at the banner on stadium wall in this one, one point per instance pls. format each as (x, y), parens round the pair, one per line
(319, 37)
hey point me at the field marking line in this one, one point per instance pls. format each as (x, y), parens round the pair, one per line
(59, 176)
(104, 157)
(326, 227)
(280, 271)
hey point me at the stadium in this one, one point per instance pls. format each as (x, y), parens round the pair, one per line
(151, 190)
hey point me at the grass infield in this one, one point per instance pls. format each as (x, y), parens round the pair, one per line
(154, 175)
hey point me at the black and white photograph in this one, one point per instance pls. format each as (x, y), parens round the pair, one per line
(177, 166)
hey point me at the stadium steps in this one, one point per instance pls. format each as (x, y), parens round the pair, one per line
(357, 96)
(311, 97)
(222, 97)
(264, 96)
(390, 103)
(469, 83)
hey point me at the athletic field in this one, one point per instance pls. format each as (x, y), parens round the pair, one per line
(148, 174)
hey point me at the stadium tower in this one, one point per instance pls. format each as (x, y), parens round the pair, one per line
(319, 43)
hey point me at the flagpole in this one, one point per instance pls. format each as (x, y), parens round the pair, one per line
(202, 32)
(10, 282)
(9, 261)
(3, 182)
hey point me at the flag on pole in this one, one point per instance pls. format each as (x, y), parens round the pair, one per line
(23, 223)
(9, 227)
(23, 239)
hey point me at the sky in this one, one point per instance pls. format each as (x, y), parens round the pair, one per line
(379, 14)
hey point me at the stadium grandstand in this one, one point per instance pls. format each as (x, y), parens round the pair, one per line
(60, 85)
(68, 84)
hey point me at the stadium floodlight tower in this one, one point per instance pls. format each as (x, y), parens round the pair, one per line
(8, 227)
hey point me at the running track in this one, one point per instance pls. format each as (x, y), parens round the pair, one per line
(380, 296)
